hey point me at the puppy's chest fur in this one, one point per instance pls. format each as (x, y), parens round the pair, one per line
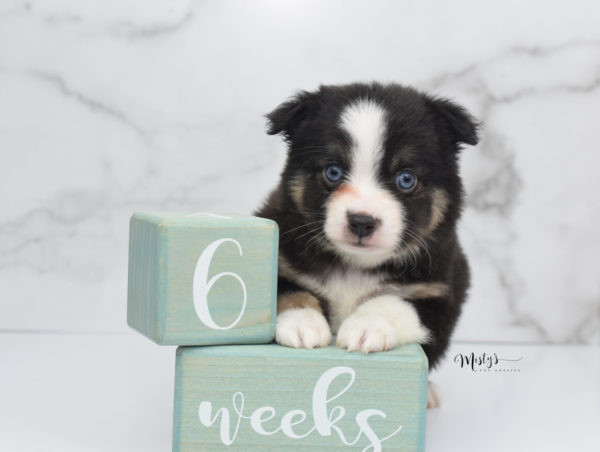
(342, 290)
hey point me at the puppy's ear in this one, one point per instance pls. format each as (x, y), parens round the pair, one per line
(461, 125)
(289, 115)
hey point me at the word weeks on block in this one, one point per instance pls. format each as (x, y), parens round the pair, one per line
(269, 397)
(202, 278)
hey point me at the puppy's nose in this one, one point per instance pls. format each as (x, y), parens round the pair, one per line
(362, 225)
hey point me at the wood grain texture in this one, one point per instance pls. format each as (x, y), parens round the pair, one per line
(276, 380)
(164, 249)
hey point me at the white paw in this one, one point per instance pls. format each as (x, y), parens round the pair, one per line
(302, 328)
(380, 324)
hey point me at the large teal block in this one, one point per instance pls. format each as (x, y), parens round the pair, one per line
(197, 279)
(268, 397)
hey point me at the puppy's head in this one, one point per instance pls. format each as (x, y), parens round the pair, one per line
(373, 168)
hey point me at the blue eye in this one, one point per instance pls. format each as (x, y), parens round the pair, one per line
(406, 180)
(333, 173)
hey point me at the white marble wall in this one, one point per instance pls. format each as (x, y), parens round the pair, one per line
(114, 106)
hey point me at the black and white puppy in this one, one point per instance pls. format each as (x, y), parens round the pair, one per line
(367, 208)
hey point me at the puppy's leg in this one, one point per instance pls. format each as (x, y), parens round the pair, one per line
(300, 321)
(381, 323)
(433, 395)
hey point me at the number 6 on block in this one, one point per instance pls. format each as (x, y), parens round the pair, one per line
(202, 287)
(202, 278)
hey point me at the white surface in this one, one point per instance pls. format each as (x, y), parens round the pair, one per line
(110, 107)
(84, 393)
(80, 393)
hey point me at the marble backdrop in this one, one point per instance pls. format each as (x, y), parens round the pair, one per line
(116, 106)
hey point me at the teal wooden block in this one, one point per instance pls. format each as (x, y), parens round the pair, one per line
(197, 279)
(268, 397)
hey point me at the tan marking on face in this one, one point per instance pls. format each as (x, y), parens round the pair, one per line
(439, 206)
(297, 300)
(400, 159)
(344, 189)
(297, 189)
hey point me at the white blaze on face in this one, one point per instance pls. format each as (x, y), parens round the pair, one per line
(365, 123)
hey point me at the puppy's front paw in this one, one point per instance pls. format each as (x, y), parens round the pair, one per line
(302, 328)
(380, 324)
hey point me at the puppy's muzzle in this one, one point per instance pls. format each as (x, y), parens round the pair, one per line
(362, 225)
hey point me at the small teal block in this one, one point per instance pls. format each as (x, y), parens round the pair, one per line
(198, 279)
(269, 397)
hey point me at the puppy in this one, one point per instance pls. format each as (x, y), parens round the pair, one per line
(367, 208)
